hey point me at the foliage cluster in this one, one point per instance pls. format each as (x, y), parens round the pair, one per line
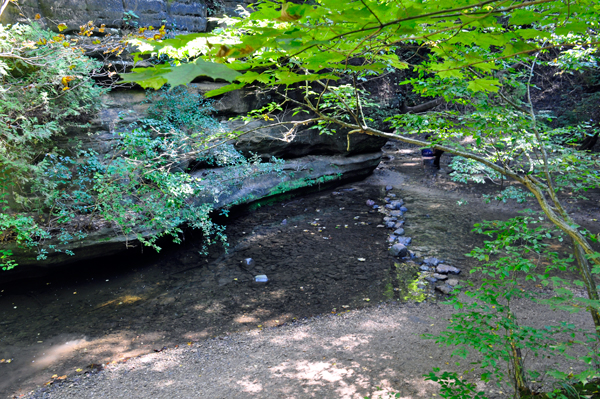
(55, 194)
(144, 186)
(46, 90)
(518, 258)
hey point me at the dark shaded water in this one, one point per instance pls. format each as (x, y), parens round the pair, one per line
(328, 256)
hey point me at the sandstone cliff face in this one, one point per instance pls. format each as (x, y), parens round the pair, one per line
(310, 156)
(309, 159)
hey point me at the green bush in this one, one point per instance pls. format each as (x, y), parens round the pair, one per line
(46, 89)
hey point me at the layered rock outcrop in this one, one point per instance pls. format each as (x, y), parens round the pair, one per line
(184, 15)
(312, 157)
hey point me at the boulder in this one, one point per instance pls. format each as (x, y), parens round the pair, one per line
(431, 261)
(447, 269)
(396, 204)
(404, 240)
(445, 289)
(398, 250)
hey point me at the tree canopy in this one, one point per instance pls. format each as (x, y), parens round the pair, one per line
(285, 43)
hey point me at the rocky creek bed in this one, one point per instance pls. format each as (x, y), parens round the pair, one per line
(326, 253)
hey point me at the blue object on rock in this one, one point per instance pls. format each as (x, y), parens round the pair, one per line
(261, 278)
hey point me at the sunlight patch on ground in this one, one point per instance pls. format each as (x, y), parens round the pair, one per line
(278, 294)
(161, 364)
(297, 336)
(371, 325)
(166, 383)
(406, 151)
(246, 319)
(54, 353)
(350, 342)
(250, 386)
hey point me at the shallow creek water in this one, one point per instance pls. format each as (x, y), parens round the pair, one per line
(323, 253)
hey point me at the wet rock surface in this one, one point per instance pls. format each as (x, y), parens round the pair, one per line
(447, 269)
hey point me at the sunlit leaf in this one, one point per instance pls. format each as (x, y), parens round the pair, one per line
(484, 85)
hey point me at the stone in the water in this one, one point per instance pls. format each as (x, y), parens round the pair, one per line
(391, 195)
(439, 276)
(431, 261)
(431, 279)
(424, 268)
(397, 204)
(447, 269)
(403, 209)
(453, 282)
(387, 200)
(445, 289)
(248, 262)
(399, 232)
(390, 225)
(388, 188)
(370, 202)
(375, 206)
(398, 250)
(392, 238)
(399, 224)
(396, 214)
(284, 221)
(390, 206)
(405, 240)
(390, 218)
(261, 278)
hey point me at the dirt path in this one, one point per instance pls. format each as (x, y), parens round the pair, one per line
(372, 351)
(311, 248)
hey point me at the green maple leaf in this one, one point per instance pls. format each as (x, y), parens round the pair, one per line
(156, 76)
(185, 73)
(224, 89)
(484, 85)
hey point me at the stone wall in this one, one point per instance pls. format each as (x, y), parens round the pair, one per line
(184, 15)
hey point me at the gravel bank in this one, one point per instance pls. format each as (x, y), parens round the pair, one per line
(336, 356)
